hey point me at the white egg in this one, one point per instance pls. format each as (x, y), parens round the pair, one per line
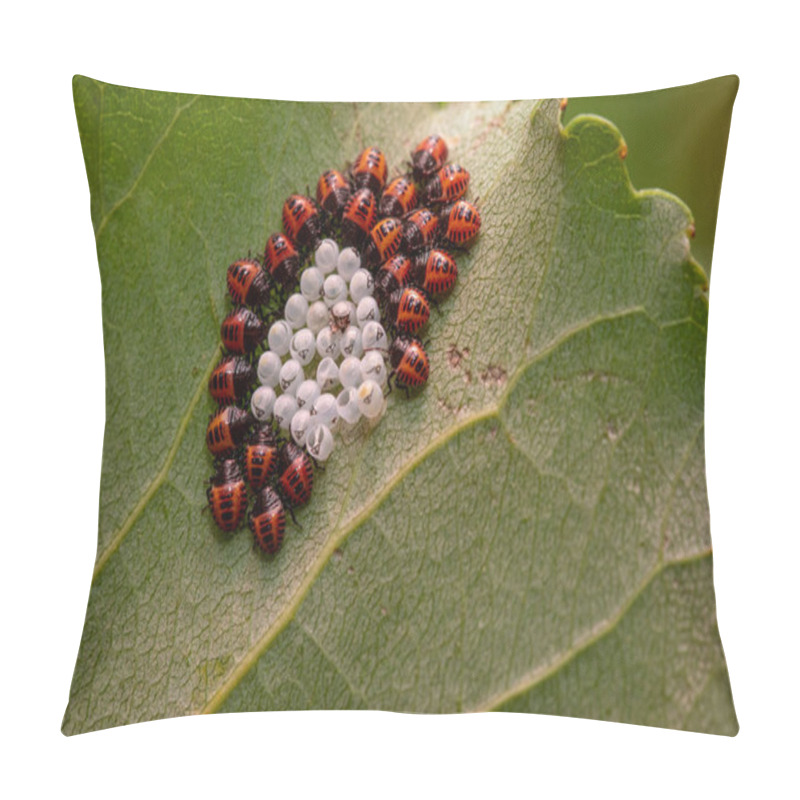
(307, 392)
(262, 402)
(303, 346)
(311, 281)
(269, 367)
(334, 290)
(373, 337)
(370, 399)
(285, 408)
(326, 256)
(291, 376)
(317, 317)
(350, 374)
(296, 310)
(348, 263)
(328, 342)
(362, 285)
(279, 336)
(350, 344)
(373, 367)
(367, 311)
(299, 425)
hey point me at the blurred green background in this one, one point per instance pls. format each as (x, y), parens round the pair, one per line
(676, 141)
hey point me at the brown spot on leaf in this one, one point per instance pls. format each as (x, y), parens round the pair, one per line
(494, 375)
(445, 406)
(455, 356)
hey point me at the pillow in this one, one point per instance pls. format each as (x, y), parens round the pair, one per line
(522, 525)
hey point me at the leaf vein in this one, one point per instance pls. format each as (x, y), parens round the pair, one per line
(541, 673)
(160, 476)
(127, 196)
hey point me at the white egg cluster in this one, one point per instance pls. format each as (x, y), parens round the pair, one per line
(326, 363)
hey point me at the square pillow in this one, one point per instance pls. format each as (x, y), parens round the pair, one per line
(520, 524)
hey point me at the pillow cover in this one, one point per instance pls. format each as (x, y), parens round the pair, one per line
(527, 531)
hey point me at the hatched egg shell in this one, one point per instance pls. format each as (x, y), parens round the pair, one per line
(327, 374)
(347, 406)
(319, 443)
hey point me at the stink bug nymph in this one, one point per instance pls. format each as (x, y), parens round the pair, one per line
(242, 331)
(268, 520)
(460, 223)
(248, 283)
(370, 170)
(333, 192)
(227, 496)
(359, 216)
(296, 478)
(260, 457)
(227, 429)
(231, 380)
(408, 309)
(447, 185)
(281, 261)
(301, 221)
(410, 365)
(392, 275)
(384, 241)
(428, 156)
(399, 197)
(435, 271)
(419, 229)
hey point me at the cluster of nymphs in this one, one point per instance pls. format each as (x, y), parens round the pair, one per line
(345, 288)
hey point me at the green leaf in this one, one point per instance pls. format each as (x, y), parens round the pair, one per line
(528, 533)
